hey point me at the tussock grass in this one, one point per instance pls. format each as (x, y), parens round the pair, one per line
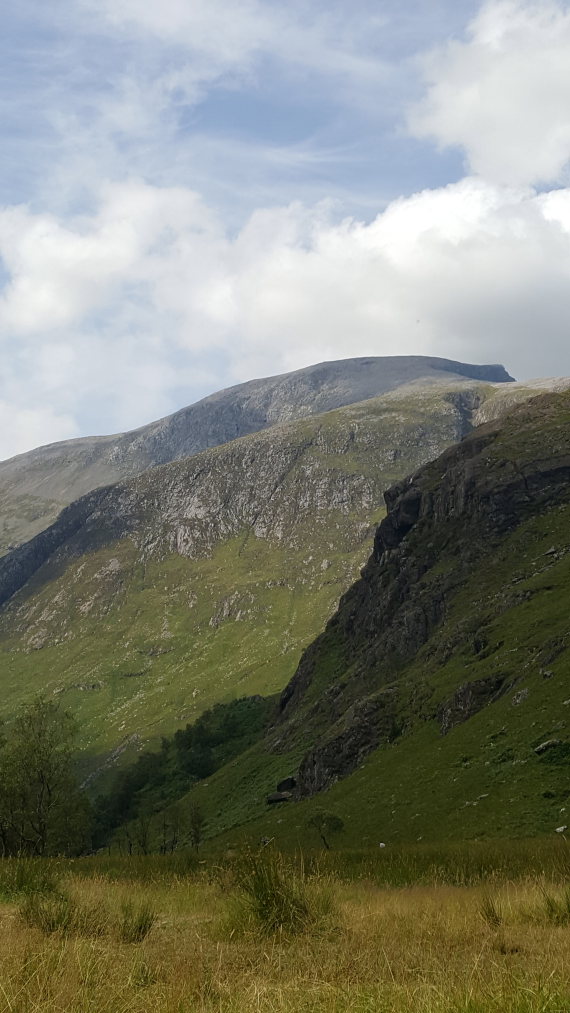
(85, 916)
(557, 906)
(58, 912)
(51, 913)
(276, 895)
(490, 910)
(136, 922)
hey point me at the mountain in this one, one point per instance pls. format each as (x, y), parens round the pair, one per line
(435, 703)
(203, 579)
(34, 487)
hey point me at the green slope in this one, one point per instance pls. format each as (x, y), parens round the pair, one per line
(204, 579)
(471, 690)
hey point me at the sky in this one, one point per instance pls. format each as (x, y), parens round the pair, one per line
(194, 193)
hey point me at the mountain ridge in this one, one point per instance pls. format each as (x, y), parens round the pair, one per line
(35, 486)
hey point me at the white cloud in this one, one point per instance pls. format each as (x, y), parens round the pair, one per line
(503, 95)
(149, 297)
(23, 428)
(61, 271)
(225, 32)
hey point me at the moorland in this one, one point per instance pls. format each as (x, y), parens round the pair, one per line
(478, 928)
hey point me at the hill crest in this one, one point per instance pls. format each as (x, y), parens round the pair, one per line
(34, 487)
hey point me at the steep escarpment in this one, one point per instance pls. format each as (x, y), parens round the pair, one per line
(408, 630)
(34, 487)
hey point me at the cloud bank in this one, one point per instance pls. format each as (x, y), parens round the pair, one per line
(143, 294)
(150, 294)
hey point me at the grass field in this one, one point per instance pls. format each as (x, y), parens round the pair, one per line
(468, 928)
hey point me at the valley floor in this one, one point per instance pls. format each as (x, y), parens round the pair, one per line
(496, 944)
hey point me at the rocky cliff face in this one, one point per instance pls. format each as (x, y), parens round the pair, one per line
(448, 520)
(34, 487)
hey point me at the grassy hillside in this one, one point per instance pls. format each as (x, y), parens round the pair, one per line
(484, 684)
(204, 579)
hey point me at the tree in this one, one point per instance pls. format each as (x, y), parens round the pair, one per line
(196, 821)
(326, 824)
(42, 810)
(171, 820)
(141, 832)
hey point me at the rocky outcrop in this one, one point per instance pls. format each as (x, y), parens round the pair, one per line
(469, 699)
(287, 784)
(276, 797)
(545, 746)
(366, 725)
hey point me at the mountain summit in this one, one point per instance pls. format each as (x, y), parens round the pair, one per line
(34, 487)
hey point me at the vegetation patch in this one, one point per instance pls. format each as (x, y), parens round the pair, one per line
(275, 895)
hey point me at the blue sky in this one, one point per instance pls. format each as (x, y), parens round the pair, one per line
(297, 126)
(197, 192)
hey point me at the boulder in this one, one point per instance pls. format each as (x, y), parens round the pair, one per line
(279, 796)
(287, 784)
(520, 697)
(549, 744)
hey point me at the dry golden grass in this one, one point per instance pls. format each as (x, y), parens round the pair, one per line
(384, 950)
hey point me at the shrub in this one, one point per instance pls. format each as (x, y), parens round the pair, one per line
(136, 922)
(326, 824)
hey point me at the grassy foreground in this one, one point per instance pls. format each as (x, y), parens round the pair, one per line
(171, 935)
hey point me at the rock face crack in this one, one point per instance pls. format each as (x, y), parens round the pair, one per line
(471, 698)
(466, 403)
